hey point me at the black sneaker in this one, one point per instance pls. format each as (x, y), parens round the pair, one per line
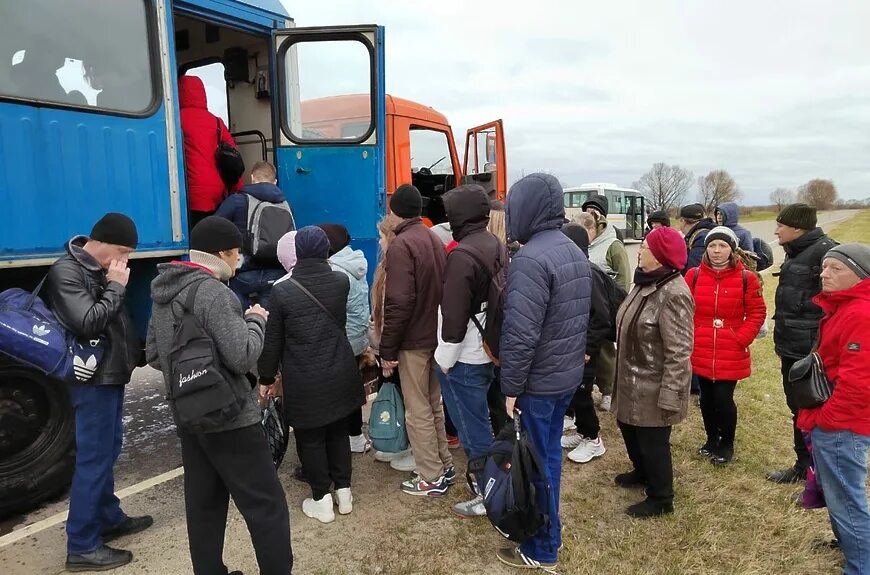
(825, 544)
(650, 508)
(790, 475)
(129, 526)
(723, 455)
(102, 559)
(707, 449)
(630, 479)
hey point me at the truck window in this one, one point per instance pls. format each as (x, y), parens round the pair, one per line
(212, 76)
(88, 53)
(430, 150)
(329, 90)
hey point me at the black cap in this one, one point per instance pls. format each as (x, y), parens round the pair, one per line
(659, 216)
(116, 229)
(407, 202)
(800, 216)
(215, 234)
(692, 212)
(598, 203)
(338, 236)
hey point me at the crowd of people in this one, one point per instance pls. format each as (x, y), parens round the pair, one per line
(575, 316)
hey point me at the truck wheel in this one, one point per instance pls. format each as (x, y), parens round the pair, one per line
(37, 439)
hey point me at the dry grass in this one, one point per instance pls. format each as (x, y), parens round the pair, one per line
(757, 216)
(727, 521)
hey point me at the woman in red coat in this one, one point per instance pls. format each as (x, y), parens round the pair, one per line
(729, 312)
(205, 188)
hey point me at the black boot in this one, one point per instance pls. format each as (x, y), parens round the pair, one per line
(650, 508)
(790, 475)
(102, 559)
(630, 479)
(129, 526)
(722, 455)
(707, 449)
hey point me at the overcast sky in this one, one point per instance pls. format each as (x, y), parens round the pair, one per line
(776, 93)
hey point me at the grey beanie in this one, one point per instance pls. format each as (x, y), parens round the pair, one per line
(856, 256)
(723, 233)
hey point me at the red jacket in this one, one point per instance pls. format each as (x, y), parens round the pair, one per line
(205, 189)
(844, 346)
(727, 319)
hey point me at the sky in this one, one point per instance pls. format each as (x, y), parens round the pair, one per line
(777, 93)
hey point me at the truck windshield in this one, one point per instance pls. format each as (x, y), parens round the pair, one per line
(88, 53)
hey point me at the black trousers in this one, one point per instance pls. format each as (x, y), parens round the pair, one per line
(583, 407)
(237, 463)
(719, 411)
(649, 449)
(800, 448)
(325, 455)
(355, 422)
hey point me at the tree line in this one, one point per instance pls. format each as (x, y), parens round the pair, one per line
(666, 187)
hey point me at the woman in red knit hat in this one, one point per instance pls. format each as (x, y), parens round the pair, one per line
(729, 312)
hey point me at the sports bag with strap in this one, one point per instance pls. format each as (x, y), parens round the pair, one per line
(268, 222)
(228, 160)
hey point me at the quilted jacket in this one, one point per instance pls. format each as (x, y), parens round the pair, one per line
(548, 295)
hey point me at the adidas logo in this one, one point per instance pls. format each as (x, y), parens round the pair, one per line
(40, 330)
(84, 369)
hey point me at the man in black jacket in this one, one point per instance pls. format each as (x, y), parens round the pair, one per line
(467, 370)
(694, 224)
(796, 320)
(86, 290)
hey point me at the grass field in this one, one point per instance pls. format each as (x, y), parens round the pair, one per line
(757, 216)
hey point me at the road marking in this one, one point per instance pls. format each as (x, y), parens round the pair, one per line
(59, 518)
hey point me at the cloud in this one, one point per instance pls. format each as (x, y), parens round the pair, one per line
(593, 91)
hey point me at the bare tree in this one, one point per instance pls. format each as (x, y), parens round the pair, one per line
(781, 197)
(821, 194)
(665, 186)
(716, 188)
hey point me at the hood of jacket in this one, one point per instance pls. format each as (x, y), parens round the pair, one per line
(534, 205)
(730, 214)
(75, 248)
(265, 192)
(606, 233)
(191, 93)
(352, 261)
(173, 277)
(795, 247)
(467, 211)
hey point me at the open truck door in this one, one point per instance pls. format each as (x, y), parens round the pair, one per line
(485, 162)
(330, 128)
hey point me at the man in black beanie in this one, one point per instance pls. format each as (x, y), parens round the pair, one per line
(414, 267)
(796, 321)
(230, 457)
(86, 289)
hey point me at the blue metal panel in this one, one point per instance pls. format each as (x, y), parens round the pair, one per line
(250, 15)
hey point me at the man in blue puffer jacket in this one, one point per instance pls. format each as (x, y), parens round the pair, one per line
(728, 214)
(543, 340)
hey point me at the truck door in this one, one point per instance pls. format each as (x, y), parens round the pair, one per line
(330, 143)
(485, 161)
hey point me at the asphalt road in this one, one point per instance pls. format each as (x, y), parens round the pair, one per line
(151, 452)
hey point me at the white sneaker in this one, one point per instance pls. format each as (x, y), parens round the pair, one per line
(320, 509)
(473, 508)
(568, 424)
(571, 441)
(606, 400)
(404, 463)
(344, 500)
(386, 457)
(359, 443)
(588, 450)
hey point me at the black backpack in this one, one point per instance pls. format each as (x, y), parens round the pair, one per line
(230, 164)
(763, 253)
(508, 477)
(497, 271)
(199, 389)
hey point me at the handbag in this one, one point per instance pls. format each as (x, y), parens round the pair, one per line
(228, 160)
(810, 385)
(273, 426)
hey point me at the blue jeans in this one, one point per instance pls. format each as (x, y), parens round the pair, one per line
(99, 434)
(256, 283)
(841, 468)
(464, 390)
(542, 419)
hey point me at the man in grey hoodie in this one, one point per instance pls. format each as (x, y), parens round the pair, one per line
(234, 458)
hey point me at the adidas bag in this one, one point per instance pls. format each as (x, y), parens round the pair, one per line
(387, 421)
(508, 485)
(31, 335)
(199, 392)
(267, 223)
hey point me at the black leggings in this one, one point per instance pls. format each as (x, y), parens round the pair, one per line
(584, 410)
(325, 455)
(719, 411)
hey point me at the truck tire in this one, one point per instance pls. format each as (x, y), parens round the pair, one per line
(37, 439)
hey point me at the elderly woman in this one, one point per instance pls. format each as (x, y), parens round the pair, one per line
(654, 348)
(840, 428)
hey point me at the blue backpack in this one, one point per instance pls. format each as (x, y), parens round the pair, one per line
(508, 484)
(387, 421)
(31, 335)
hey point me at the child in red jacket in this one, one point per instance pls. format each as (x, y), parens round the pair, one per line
(729, 312)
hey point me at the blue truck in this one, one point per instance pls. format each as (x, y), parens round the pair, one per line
(89, 123)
